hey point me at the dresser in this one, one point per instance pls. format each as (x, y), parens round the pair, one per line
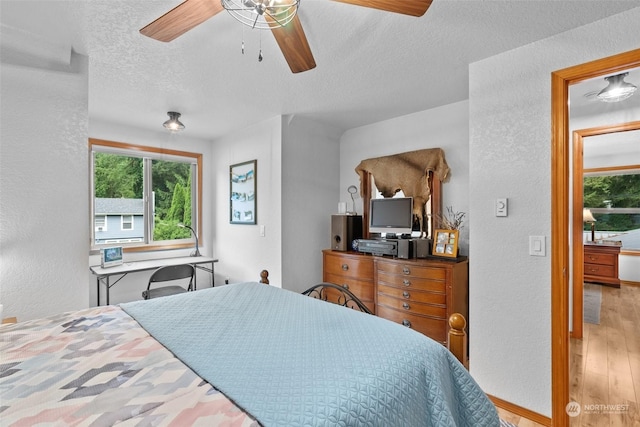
(601, 264)
(418, 293)
(352, 271)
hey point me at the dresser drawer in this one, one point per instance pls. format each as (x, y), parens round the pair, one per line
(412, 270)
(412, 307)
(363, 289)
(433, 328)
(603, 259)
(599, 270)
(410, 282)
(413, 295)
(353, 267)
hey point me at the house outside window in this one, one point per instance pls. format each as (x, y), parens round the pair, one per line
(140, 195)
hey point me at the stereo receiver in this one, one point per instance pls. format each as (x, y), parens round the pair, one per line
(378, 247)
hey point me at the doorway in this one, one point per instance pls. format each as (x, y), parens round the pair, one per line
(560, 221)
(578, 197)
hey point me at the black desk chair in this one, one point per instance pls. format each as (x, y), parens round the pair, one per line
(166, 274)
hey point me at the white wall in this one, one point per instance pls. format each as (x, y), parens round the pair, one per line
(44, 239)
(130, 287)
(510, 128)
(310, 192)
(297, 177)
(243, 254)
(445, 127)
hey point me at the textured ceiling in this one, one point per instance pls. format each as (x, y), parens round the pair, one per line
(371, 65)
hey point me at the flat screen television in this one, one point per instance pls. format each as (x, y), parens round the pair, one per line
(391, 215)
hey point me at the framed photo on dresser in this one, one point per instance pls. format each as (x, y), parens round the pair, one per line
(445, 243)
(242, 193)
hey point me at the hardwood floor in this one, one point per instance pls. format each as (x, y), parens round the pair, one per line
(516, 419)
(605, 364)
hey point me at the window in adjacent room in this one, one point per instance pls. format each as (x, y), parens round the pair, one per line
(140, 194)
(613, 196)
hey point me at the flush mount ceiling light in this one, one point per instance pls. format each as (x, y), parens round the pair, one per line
(617, 90)
(173, 124)
(262, 14)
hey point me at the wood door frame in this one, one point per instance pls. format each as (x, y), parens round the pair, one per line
(560, 209)
(578, 203)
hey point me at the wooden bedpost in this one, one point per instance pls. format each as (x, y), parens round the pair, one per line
(458, 338)
(264, 277)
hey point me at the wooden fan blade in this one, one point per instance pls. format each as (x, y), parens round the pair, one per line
(181, 19)
(405, 7)
(293, 44)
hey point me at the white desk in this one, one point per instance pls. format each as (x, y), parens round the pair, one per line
(103, 275)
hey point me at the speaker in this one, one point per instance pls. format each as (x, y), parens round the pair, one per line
(344, 230)
(405, 248)
(422, 248)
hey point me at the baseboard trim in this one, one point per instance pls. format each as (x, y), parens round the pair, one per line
(629, 283)
(520, 411)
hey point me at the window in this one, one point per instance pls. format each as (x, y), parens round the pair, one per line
(100, 223)
(613, 196)
(126, 222)
(140, 194)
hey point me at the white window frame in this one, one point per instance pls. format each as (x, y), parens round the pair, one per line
(609, 171)
(123, 222)
(103, 227)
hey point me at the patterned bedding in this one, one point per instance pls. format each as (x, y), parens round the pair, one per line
(277, 357)
(98, 367)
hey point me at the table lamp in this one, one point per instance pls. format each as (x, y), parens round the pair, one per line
(587, 216)
(196, 252)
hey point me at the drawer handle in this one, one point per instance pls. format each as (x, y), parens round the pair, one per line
(406, 323)
(405, 294)
(406, 282)
(344, 285)
(593, 258)
(405, 306)
(406, 270)
(594, 269)
(345, 267)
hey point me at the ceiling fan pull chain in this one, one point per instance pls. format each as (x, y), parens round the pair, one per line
(260, 53)
(243, 39)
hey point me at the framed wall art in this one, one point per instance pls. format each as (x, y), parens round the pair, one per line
(242, 203)
(445, 243)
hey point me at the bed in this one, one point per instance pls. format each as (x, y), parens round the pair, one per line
(246, 354)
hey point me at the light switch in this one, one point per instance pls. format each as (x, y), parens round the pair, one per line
(537, 246)
(262, 231)
(501, 207)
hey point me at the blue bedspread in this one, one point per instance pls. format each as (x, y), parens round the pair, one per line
(291, 360)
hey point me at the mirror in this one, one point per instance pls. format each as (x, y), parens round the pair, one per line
(433, 209)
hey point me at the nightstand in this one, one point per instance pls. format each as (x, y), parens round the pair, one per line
(601, 264)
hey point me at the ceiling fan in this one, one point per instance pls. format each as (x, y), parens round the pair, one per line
(290, 37)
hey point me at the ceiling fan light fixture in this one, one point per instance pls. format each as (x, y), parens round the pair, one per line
(262, 14)
(617, 90)
(173, 124)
